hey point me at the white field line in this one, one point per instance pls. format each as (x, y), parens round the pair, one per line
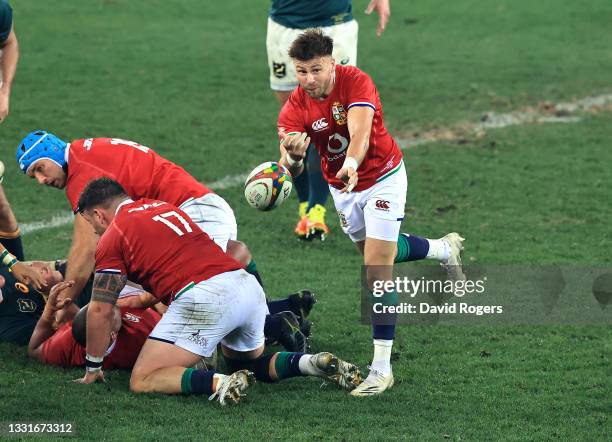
(553, 113)
(490, 120)
(56, 221)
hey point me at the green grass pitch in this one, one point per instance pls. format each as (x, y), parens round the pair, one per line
(189, 79)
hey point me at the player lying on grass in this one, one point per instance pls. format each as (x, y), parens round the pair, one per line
(211, 298)
(144, 174)
(338, 109)
(65, 347)
(21, 305)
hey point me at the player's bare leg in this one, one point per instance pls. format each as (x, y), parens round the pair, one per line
(8, 222)
(378, 258)
(11, 246)
(163, 367)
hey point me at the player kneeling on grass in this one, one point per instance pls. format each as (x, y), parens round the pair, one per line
(65, 347)
(211, 300)
(338, 109)
(145, 174)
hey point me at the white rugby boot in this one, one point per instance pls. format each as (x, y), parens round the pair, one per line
(230, 388)
(375, 383)
(453, 263)
(330, 367)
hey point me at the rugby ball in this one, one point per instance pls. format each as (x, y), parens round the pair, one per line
(267, 186)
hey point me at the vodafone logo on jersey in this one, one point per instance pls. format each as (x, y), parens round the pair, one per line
(337, 143)
(320, 124)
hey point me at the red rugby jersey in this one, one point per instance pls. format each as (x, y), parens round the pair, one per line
(61, 349)
(156, 244)
(142, 172)
(325, 121)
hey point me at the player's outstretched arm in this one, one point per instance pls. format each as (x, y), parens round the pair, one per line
(383, 9)
(44, 327)
(23, 272)
(106, 289)
(359, 120)
(81, 258)
(8, 66)
(26, 274)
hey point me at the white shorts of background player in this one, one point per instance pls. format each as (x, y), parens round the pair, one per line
(279, 39)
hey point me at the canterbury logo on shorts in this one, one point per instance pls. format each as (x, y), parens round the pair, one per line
(382, 205)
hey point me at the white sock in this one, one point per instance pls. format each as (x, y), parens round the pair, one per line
(438, 249)
(382, 355)
(307, 366)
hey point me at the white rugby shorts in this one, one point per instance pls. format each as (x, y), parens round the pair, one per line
(229, 308)
(214, 216)
(279, 39)
(376, 212)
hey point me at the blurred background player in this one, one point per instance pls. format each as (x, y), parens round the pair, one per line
(65, 347)
(286, 20)
(211, 300)
(9, 54)
(365, 171)
(144, 173)
(11, 248)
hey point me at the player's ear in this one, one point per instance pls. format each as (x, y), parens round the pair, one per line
(97, 214)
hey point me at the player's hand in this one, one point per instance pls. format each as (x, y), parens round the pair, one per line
(29, 275)
(383, 9)
(295, 143)
(91, 377)
(54, 301)
(4, 104)
(350, 177)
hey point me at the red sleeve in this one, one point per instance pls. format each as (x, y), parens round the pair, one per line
(62, 350)
(291, 117)
(109, 255)
(74, 189)
(361, 90)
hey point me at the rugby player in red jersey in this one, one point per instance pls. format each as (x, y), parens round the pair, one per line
(65, 347)
(211, 298)
(145, 174)
(338, 109)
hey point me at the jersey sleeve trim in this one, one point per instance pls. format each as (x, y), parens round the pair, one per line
(114, 271)
(363, 104)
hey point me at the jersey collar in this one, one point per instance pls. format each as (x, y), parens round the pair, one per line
(123, 203)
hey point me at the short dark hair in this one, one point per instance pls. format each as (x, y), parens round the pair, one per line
(79, 324)
(311, 44)
(79, 327)
(100, 192)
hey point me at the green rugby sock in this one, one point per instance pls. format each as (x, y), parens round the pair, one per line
(287, 365)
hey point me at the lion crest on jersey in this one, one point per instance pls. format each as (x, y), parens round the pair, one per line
(338, 113)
